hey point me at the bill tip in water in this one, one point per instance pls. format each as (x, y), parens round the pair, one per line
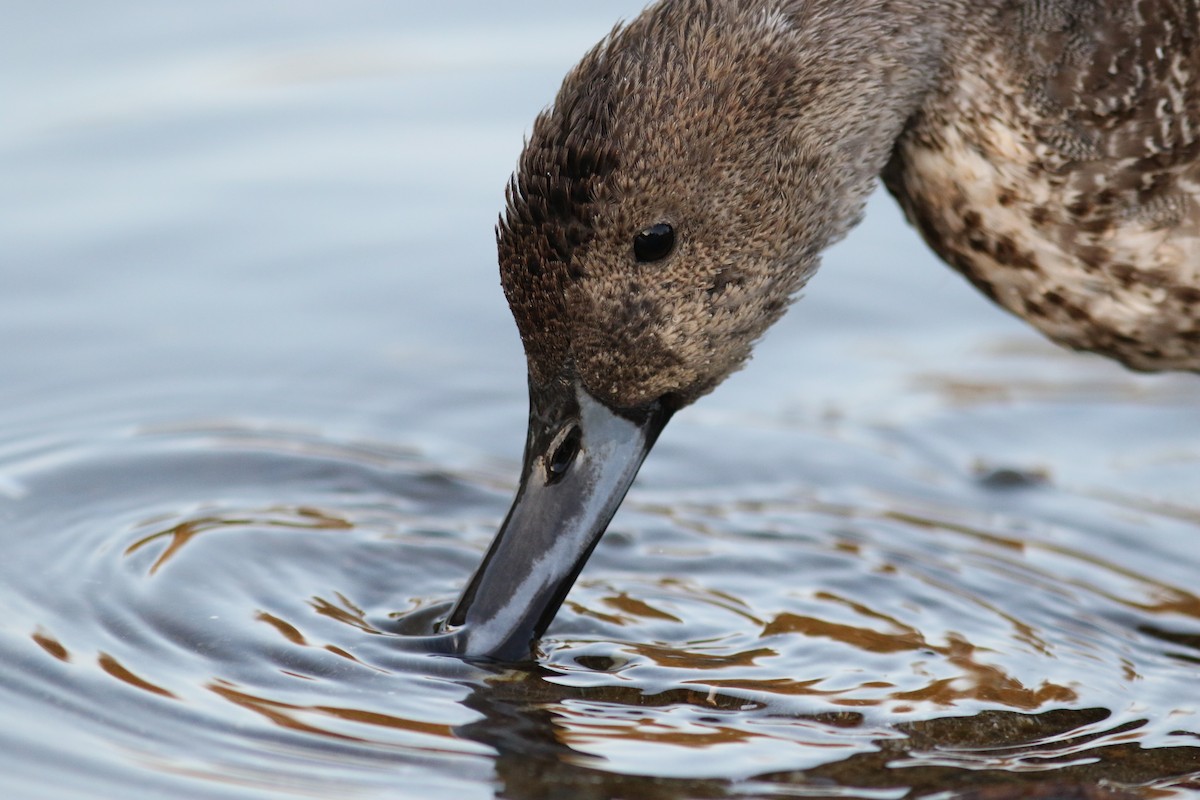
(580, 458)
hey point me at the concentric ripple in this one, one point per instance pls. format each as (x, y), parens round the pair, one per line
(157, 589)
(216, 610)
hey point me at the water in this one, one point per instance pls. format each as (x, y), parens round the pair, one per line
(263, 408)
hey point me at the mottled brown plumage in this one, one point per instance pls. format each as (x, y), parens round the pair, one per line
(1047, 149)
(1057, 166)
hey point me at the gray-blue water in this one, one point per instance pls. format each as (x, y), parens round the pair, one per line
(262, 407)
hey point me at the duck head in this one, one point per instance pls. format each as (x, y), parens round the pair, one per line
(665, 210)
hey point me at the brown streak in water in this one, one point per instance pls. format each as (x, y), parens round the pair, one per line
(862, 638)
(346, 654)
(927, 523)
(320, 520)
(122, 673)
(582, 733)
(978, 681)
(681, 659)
(985, 682)
(179, 536)
(289, 631)
(863, 610)
(285, 715)
(350, 615)
(388, 721)
(724, 600)
(293, 635)
(1185, 604)
(276, 712)
(584, 611)
(51, 645)
(184, 532)
(1023, 629)
(638, 608)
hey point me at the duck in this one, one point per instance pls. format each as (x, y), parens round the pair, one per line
(677, 195)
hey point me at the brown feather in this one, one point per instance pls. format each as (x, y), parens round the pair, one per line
(1047, 149)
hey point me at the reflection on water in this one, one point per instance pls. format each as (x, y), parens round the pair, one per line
(263, 408)
(786, 643)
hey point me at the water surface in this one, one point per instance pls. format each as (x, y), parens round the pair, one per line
(262, 410)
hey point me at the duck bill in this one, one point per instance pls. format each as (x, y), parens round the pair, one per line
(562, 508)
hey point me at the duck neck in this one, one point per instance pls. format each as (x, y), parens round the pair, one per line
(859, 72)
(862, 70)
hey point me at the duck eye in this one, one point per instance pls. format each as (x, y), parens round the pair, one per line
(562, 453)
(654, 243)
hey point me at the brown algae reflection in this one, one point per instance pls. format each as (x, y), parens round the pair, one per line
(240, 593)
